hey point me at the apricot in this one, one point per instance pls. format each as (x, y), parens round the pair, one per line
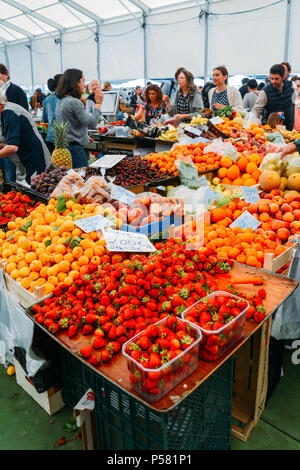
(283, 234)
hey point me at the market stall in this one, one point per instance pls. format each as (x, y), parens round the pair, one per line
(109, 252)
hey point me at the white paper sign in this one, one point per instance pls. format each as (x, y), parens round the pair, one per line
(87, 402)
(122, 194)
(216, 120)
(250, 194)
(246, 220)
(107, 161)
(117, 240)
(203, 181)
(96, 222)
(193, 130)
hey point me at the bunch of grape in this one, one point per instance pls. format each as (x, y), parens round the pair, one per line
(47, 181)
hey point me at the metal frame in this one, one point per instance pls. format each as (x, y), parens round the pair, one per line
(288, 26)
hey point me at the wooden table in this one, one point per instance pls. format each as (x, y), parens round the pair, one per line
(278, 288)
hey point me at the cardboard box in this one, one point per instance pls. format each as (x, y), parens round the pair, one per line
(51, 400)
(155, 230)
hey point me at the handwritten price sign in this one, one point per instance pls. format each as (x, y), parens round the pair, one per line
(107, 161)
(250, 194)
(122, 195)
(91, 224)
(127, 241)
(246, 220)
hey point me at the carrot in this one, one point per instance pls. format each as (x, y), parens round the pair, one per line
(256, 280)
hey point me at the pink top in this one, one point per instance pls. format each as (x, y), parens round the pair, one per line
(297, 114)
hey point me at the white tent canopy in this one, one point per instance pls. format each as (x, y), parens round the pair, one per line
(145, 39)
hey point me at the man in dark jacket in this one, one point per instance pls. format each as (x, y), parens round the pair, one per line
(14, 93)
(244, 88)
(276, 96)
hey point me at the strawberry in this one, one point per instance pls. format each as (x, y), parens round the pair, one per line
(91, 318)
(113, 347)
(105, 355)
(143, 342)
(72, 330)
(121, 330)
(87, 329)
(86, 351)
(97, 342)
(95, 359)
(154, 361)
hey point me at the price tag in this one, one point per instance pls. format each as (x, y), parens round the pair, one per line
(216, 120)
(122, 195)
(87, 402)
(96, 222)
(203, 181)
(193, 130)
(107, 161)
(250, 194)
(117, 240)
(246, 220)
(201, 139)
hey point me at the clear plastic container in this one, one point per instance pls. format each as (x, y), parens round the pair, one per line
(153, 384)
(215, 343)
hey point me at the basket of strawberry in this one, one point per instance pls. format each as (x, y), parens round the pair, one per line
(221, 316)
(162, 356)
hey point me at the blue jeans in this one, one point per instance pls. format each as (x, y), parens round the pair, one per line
(79, 156)
(8, 169)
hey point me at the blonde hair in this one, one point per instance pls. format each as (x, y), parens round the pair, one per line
(3, 98)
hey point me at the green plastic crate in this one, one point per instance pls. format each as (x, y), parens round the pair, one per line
(200, 422)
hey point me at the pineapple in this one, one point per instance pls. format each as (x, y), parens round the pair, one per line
(61, 156)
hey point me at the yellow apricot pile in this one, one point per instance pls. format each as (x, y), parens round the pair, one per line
(42, 255)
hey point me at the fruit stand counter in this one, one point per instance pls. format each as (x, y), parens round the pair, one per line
(189, 398)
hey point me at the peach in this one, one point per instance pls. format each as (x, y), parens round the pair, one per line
(278, 200)
(270, 235)
(297, 214)
(288, 198)
(253, 208)
(288, 217)
(278, 215)
(263, 208)
(295, 205)
(286, 208)
(277, 224)
(283, 234)
(274, 208)
(275, 192)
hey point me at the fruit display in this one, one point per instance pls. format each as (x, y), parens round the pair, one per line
(170, 135)
(14, 204)
(165, 161)
(161, 356)
(46, 247)
(131, 171)
(61, 156)
(49, 179)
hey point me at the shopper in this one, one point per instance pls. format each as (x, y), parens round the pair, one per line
(188, 100)
(22, 137)
(137, 99)
(224, 95)
(49, 110)
(250, 98)
(244, 88)
(107, 86)
(154, 107)
(13, 92)
(297, 106)
(289, 148)
(70, 109)
(206, 88)
(277, 96)
(287, 69)
(90, 101)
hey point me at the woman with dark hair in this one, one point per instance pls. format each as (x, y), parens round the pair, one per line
(49, 110)
(188, 100)
(154, 106)
(70, 109)
(136, 99)
(222, 94)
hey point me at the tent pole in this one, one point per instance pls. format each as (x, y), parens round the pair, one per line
(31, 65)
(98, 52)
(145, 30)
(61, 53)
(206, 40)
(288, 25)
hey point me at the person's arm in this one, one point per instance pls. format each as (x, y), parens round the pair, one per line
(197, 105)
(86, 119)
(260, 103)
(90, 106)
(246, 103)
(237, 102)
(11, 132)
(45, 115)
(172, 108)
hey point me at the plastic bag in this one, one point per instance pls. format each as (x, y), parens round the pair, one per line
(16, 330)
(250, 118)
(69, 185)
(276, 138)
(220, 147)
(272, 161)
(196, 201)
(158, 205)
(188, 173)
(92, 191)
(286, 320)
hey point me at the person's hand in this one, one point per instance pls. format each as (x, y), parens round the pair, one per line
(99, 95)
(286, 150)
(1, 146)
(219, 105)
(177, 117)
(166, 99)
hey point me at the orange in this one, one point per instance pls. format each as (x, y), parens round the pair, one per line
(233, 172)
(242, 163)
(251, 168)
(222, 172)
(83, 260)
(250, 182)
(226, 162)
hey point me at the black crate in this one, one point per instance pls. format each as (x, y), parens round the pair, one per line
(7, 186)
(201, 421)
